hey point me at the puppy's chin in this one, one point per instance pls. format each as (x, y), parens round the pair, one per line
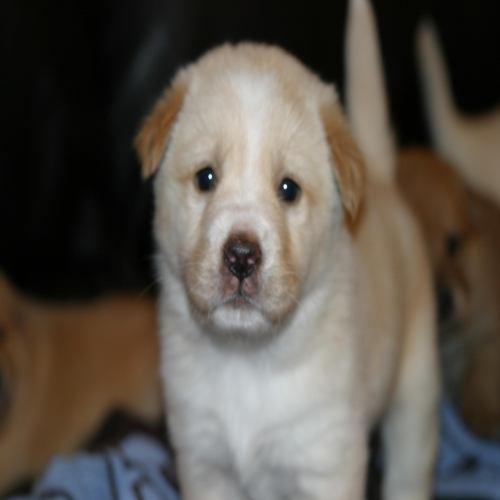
(239, 319)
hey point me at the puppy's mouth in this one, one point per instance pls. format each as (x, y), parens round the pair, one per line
(245, 292)
(240, 271)
(240, 300)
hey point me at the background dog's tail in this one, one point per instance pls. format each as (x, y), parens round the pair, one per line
(367, 105)
(444, 119)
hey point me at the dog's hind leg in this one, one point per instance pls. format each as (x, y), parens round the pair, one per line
(410, 430)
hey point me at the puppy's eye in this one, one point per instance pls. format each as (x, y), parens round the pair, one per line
(453, 244)
(289, 190)
(206, 179)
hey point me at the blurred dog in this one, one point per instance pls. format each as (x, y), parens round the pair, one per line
(471, 144)
(462, 231)
(296, 307)
(64, 368)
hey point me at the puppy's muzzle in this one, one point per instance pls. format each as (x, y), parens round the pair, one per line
(242, 256)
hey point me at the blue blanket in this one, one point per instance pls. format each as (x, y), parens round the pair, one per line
(138, 469)
(468, 467)
(141, 469)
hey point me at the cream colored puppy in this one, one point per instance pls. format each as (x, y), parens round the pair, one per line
(292, 317)
(472, 144)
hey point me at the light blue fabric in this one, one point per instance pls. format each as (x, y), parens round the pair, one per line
(137, 469)
(468, 467)
(140, 468)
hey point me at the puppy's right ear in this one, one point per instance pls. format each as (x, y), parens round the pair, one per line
(151, 141)
(346, 158)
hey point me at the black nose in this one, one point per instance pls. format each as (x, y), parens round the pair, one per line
(445, 304)
(242, 255)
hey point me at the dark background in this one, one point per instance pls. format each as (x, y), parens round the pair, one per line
(77, 76)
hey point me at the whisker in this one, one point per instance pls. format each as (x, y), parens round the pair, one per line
(147, 288)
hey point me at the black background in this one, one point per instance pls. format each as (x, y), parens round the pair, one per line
(77, 76)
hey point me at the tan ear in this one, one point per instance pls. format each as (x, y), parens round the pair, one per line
(151, 141)
(347, 158)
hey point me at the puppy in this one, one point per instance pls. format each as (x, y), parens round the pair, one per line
(63, 369)
(296, 306)
(469, 143)
(462, 231)
(479, 392)
(440, 199)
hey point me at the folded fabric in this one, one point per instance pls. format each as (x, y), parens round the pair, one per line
(468, 467)
(138, 469)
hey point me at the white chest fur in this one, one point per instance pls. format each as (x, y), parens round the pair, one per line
(259, 412)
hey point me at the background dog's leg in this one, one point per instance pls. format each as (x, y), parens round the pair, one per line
(410, 431)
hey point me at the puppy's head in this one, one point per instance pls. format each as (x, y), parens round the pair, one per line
(440, 200)
(255, 169)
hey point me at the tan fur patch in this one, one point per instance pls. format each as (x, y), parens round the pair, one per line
(347, 158)
(151, 141)
(66, 368)
(471, 336)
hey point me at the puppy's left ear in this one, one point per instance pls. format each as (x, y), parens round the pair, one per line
(151, 141)
(346, 157)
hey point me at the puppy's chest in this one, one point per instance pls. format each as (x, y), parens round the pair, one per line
(254, 422)
(243, 405)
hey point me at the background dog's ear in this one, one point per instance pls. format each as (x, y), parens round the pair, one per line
(151, 141)
(347, 158)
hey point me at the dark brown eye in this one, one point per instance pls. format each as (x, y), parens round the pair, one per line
(206, 179)
(453, 244)
(288, 190)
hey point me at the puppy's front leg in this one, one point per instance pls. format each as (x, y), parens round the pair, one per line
(339, 488)
(337, 472)
(411, 426)
(204, 481)
(347, 484)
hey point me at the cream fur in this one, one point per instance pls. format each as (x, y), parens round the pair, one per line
(275, 400)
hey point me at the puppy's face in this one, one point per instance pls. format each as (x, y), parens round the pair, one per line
(250, 190)
(440, 200)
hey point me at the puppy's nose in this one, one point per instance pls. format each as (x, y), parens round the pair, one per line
(242, 255)
(445, 303)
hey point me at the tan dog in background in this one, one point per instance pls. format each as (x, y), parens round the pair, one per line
(64, 368)
(296, 306)
(462, 231)
(470, 143)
